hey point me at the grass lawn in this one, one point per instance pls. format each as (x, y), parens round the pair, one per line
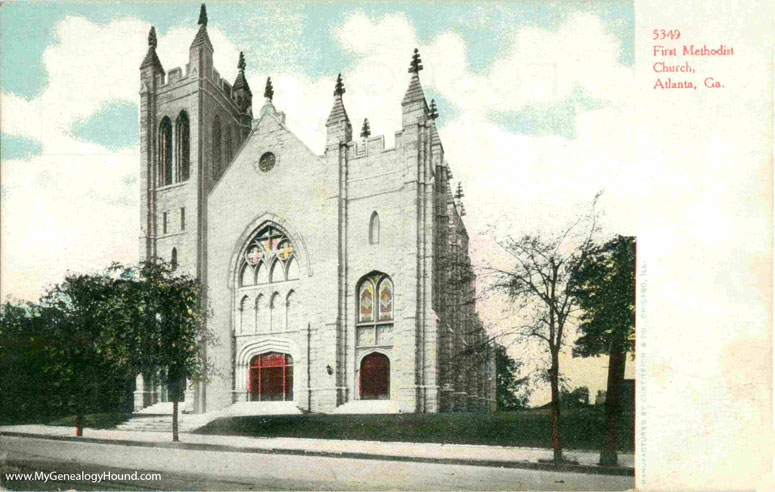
(580, 428)
(93, 420)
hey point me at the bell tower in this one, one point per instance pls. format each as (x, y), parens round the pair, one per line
(192, 122)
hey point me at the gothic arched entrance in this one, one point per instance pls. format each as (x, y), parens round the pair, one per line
(271, 377)
(374, 377)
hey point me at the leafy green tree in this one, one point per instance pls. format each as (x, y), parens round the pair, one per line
(168, 330)
(511, 393)
(579, 397)
(24, 359)
(73, 315)
(604, 287)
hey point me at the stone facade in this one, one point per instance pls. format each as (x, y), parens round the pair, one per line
(285, 242)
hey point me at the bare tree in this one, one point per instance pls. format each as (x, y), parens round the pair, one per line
(539, 286)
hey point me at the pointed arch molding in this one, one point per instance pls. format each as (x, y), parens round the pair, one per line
(252, 228)
(266, 344)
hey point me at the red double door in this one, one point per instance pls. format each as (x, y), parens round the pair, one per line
(271, 377)
(374, 377)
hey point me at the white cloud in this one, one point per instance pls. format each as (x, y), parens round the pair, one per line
(75, 206)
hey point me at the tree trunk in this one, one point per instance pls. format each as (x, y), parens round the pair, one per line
(613, 406)
(555, 382)
(175, 417)
(78, 427)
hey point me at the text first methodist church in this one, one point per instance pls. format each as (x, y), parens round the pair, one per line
(338, 282)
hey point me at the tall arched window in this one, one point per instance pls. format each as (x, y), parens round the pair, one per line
(183, 132)
(246, 277)
(277, 274)
(275, 313)
(375, 311)
(260, 324)
(165, 152)
(174, 259)
(229, 148)
(243, 314)
(290, 311)
(217, 156)
(374, 228)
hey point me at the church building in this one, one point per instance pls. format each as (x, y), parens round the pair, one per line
(337, 282)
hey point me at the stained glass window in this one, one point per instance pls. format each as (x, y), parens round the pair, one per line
(385, 300)
(375, 311)
(367, 302)
(270, 247)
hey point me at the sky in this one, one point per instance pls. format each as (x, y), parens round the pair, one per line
(532, 96)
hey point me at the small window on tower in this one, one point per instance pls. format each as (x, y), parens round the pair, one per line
(164, 223)
(182, 218)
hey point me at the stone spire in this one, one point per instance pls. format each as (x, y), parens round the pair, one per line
(202, 15)
(338, 124)
(415, 108)
(152, 37)
(201, 37)
(240, 88)
(151, 59)
(366, 130)
(241, 83)
(338, 113)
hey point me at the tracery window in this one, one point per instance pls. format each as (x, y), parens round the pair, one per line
(269, 257)
(375, 311)
(183, 135)
(165, 152)
(217, 162)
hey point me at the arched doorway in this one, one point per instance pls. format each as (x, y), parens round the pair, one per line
(374, 377)
(271, 377)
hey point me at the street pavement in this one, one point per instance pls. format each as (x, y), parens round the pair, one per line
(187, 469)
(494, 455)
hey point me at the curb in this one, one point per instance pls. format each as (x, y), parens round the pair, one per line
(530, 465)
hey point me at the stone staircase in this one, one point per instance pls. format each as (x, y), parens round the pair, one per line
(158, 418)
(367, 407)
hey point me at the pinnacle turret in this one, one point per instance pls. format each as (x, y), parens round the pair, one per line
(269, 90)
(366, 130)
(338, 124)
(415, 106)
(201, 36)
(151, 59)
(152, 37)
(338, 112)
(339, 88)
(202, 15)
(433, 112)
(459, 193)
(416, 65)
(241, 83)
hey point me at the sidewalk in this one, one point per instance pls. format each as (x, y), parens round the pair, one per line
(464, 454)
